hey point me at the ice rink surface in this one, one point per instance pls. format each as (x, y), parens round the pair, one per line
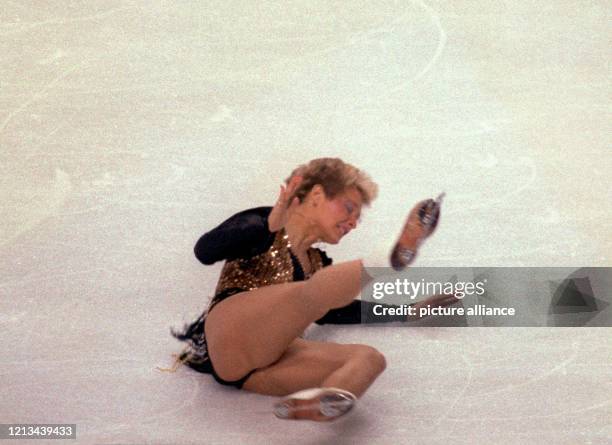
(129, 128)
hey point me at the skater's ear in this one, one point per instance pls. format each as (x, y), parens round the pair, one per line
(316, 195)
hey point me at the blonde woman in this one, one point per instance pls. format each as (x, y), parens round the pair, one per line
(274, 284)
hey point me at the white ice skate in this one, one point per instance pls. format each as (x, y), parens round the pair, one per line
(319, 404)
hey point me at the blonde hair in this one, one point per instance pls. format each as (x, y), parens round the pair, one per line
(335, 176)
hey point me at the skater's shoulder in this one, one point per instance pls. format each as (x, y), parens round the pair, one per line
(254, 215)
(263, 211)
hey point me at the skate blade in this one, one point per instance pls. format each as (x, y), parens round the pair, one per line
(323, 405)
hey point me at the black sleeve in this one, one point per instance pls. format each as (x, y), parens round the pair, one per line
(359, 311)
(243, 235)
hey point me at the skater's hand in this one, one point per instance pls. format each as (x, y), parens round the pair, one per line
(440, 300)
(285, 205)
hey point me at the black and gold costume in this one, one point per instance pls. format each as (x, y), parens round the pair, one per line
(256, 257)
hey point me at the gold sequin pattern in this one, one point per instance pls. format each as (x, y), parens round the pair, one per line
(271, 267)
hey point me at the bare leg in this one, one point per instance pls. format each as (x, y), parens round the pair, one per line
(310, 364)
(359, 372)
(253, 329)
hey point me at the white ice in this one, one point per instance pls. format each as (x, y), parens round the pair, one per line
(129, 128)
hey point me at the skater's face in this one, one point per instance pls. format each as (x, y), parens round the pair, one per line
(339, 215)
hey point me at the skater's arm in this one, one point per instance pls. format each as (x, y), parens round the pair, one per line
(359, 311)
(243, 235)
(371, 312)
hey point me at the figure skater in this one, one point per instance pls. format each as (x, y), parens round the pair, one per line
(274, 284)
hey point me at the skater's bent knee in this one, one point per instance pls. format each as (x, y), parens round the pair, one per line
(373, 358)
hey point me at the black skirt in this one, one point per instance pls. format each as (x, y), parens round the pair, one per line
(195, 354)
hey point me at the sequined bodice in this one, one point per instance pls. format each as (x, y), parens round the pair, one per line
(273, 266)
